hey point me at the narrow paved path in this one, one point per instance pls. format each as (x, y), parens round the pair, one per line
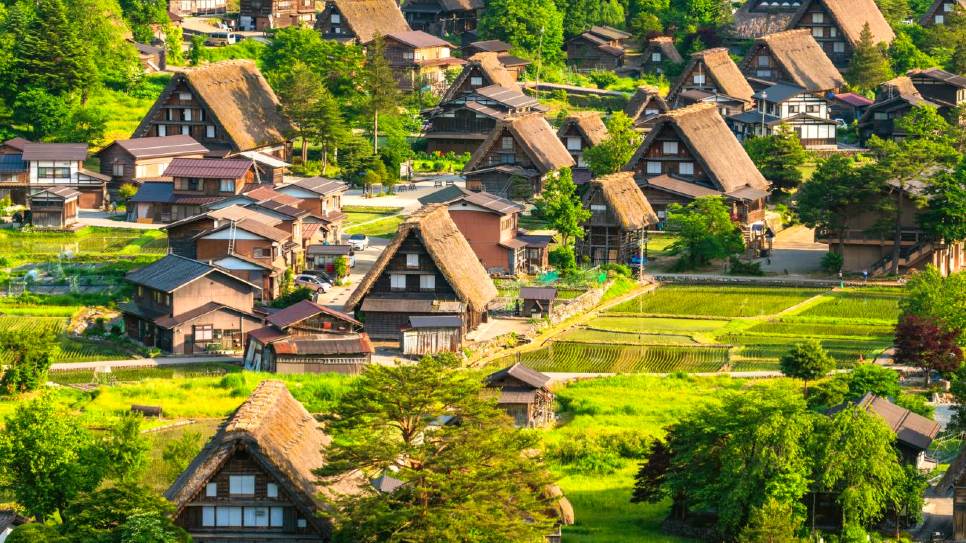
(144, 362)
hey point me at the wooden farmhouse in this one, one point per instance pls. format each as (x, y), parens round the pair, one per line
(191, 8)
(713, 73)
(308, 338)
(153, 58)
(322, 198)
(360, 21)
(196, 182)
(419, 60)
(183, 234)
(620, 215)
(537, 302)
(848, 106)
(524, 395)
(442, 17)
(914, 432)
(428, 269)
(130, 161)
(252, 249)
(792, 106)
(864, 247)
(644, 106)
(27, 167)
(837, 24)
(463, 123)
(689, 153)
(937, 12)
(262, 15)
(490, 225)
(481, 70)
(516, 158)
(893, 99)
(54, 207)
(183, 306)
(792, 57)
(323, 257)
(660, 55)
(431, 334)
(288, 211)
(600, 48)
(581, 131)
(228, 107)
(254, 480)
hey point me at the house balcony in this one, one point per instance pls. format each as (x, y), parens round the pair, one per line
(857, 236)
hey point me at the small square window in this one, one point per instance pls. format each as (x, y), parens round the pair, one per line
(210, 131)
(271, 489)
(412, 260)
(211, 490)
(506, 143)
(818, 17)
(397, 281)
(336, 18)
(838, 47)
(833, 32)
(162, 130)
(476, 81)
(427, 282)
(227, 185)
(940, 19)
(669, 147)
(947, 8)
(573, 143)
(301, 523)
(817, 31)
(598, 208)
(118, 169)
(655, 57)
(764, 61)
(243, 485)
(184, 96)
(208, 516)
(698, 79)
(686, 168)
(185, 130)
(653, 168)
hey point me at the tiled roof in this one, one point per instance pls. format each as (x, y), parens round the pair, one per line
(208, 168)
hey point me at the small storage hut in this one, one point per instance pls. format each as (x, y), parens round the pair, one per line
(537, 301)
(524, 395)
(432, 334)
(54, 207)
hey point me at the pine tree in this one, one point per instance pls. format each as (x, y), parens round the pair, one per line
(299, 91)
(381, 87)
(330, 130)
(869, 63)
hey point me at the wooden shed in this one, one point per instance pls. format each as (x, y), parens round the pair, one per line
(432, 334)
(54, 207)
(524, 395)
(537, 301)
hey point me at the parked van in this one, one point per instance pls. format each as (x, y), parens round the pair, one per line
(218, 39)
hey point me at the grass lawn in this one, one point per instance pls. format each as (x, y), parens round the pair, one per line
(623, 409)
(716, 301)
(126, 111)
(658, 244)
(373, 221)
(359, 214)
(381, 228)
(579, 357)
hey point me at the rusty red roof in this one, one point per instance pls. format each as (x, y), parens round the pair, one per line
(209, 168)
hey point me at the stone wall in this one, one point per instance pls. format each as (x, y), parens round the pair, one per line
(581, 304)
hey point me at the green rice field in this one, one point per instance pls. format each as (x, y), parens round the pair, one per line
(715, 301)
(67, 348)
(681, 328)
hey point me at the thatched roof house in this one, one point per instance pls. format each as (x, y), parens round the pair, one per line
(757, 18)
(481, 70)
(581, 131)
(239, 108)
(712, 70)
(360, 20)
(619, 212)
(442, 277)
(659, 54)
(938, 11)
(266, 449)
(524, 147)
(793, 56)
(691, 152)
(644, 105)
(849, 16)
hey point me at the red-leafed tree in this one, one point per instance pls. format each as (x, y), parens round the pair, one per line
(927, 343)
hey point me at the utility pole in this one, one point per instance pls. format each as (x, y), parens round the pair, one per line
(642, 253)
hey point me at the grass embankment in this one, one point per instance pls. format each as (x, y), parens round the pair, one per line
(125, 110)
(723, 328)
(373, 221)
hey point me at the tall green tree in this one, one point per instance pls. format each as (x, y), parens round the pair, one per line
(869, 65)
(807, 361)
(30, 357)
(773, 522)
(388, 423)
(126, 449)
(382, 90)
(47, 459)
(560, 204)
(612, 154)
(300, 92)
(688, 16)
(904, 55)
(779, 156)
(929, 294)
(944, 214)
(705, 232)
(340, 65)
(536, 26)
(126, 513)
(856, 461)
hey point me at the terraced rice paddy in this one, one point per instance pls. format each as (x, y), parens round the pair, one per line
(715, 301)
(67, 348)
(708, 329)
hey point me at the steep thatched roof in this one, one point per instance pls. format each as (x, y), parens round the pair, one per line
(447, 247)
(896, 87)
(642, 97)
(494, 72)
(625, 200)
(717, 65)
(665, 45)
(801, 57)
(534, 135)
(240, 100)
(282, 437)
(711, 143)
(752, 23)
(851, 16)
(588, 123)
(369, 18)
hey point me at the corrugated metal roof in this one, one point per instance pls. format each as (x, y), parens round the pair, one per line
(492, 46)
(442, 321)
(255, 227)
(304, 309)
(173, 272)
(161, 146)
(324, 344)
(538, 293)
(507, 96)
(521, 373)
(418, 38)
(12, 163)
(154, 192)
(318, 185)
(54, 151)
(319, 249)
(209, 168)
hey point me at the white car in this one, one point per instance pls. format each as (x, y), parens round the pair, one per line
(359, 242)
(312, 282)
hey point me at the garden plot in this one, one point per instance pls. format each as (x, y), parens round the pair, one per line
(857, 304)
(575, 357)
(716, 301)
